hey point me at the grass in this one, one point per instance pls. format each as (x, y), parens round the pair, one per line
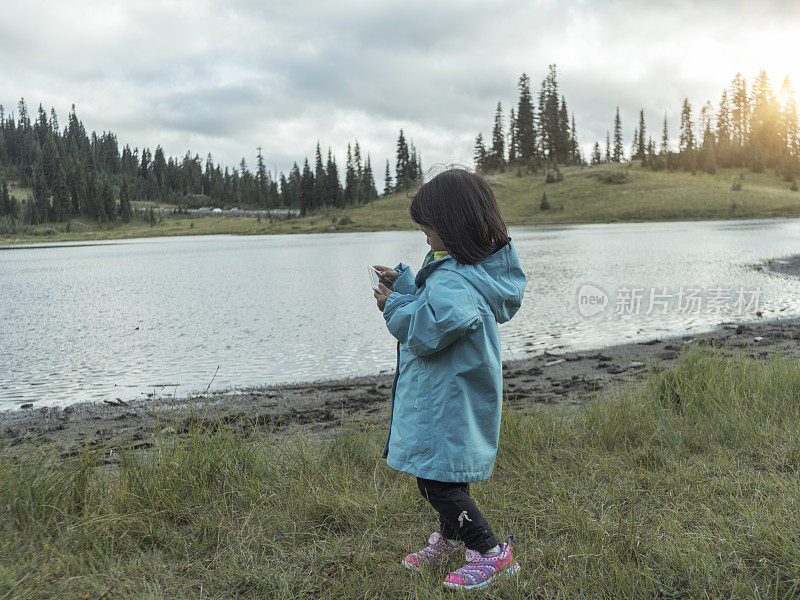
(683, 487)
(586, 195)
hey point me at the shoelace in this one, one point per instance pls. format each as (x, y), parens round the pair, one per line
(477, 571)
(480, 570)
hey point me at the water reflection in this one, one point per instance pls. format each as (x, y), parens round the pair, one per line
(91, 321)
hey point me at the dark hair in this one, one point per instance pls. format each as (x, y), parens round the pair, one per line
(460, 207)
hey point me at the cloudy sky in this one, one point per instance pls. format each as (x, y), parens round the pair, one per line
(226, 77)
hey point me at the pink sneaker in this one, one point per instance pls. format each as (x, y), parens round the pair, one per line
(481, 571)
(434, 553)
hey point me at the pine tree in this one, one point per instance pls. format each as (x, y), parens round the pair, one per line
(54, 122)
(295, 183)
(608, 148)
(368, 181)
(42, 127)
(332, 196)
(596, 157)
(526, 132)
(618, 152)
(125, 200)
(664, 138)
(387, 180)
(513, 142)
(402, 176)
(791, 130)
(480, 153)
(413, 166)
(349, 178)
(8, 207)
(706, 160)
(51, 161)
(262, 179)
(641, 147)
(107, 196)
(60, 209)
(160, 166)
(544, 204)
(307, 189)
(39, 203)
(575, 149)
(740, 111)
(357, 165)
(723, 120)
(686, 142)
(553, 119)
(319, 179)
(144, 166)
(563, 147)
(786, 93)
(497, 156)
(764, 119)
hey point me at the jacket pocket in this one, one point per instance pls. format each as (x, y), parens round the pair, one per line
(422, 409)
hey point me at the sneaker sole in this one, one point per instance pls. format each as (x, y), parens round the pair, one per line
(410, 566)
(512, 570)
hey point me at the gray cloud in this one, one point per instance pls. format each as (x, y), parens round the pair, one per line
(227, 78)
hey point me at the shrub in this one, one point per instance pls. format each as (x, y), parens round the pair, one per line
(544, 204)
(613, 177)
(345, 220)
(794, 186)
(738, 183)
(8, 225)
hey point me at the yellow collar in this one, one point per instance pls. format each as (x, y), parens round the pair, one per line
(437, 254)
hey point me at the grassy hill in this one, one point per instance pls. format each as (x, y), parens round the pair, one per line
(599, 194)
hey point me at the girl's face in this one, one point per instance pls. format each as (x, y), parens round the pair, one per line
(433, 240)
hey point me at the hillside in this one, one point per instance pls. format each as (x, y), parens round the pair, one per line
(584, 196)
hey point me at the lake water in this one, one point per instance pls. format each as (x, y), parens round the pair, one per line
(119, 319)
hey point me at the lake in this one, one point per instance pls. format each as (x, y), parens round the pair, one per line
(124, 318)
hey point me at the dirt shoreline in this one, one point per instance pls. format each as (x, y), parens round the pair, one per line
(784, 265)
(318, 408)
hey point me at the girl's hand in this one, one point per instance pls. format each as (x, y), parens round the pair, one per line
(387, 274)
(382, 295)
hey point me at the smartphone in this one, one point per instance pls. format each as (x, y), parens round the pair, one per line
(374, 277)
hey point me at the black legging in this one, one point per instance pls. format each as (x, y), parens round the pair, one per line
(459, 516)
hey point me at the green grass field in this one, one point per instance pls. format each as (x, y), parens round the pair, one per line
(685, 486)
(582, 197)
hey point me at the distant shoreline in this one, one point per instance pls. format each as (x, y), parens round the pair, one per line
(42, 242)
(583, 197)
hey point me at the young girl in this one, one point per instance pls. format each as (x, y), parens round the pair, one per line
(447, 391)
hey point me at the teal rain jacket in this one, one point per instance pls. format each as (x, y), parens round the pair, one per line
(446, 397)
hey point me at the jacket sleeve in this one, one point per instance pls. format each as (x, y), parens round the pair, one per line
(404, 283)
(433, 321)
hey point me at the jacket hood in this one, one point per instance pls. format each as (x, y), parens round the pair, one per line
(499, 279)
